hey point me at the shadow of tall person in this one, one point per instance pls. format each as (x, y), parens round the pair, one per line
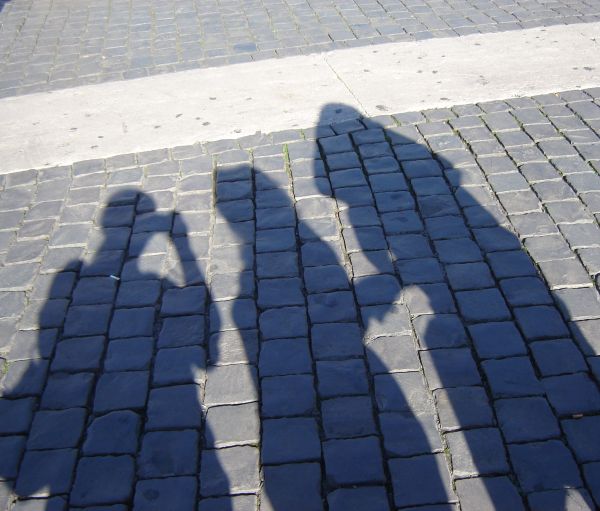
(120, 371)
(430, 251)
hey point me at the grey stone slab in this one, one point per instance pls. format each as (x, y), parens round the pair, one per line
(449, 368)
(488, 493)
(526, 419)
(231, 384)
(174, 407)
(113, 433)
(295, 487)
(544, 466)
(232, 425)
(420, 480)
(46, 473)
(57, 429)
(353, 461)
(103, 480)
(512, 377)
(572, 394)
(477, 452)
(462, 408)
(233, 470)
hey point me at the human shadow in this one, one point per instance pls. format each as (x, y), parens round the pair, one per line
(431, 253)
(118, 364)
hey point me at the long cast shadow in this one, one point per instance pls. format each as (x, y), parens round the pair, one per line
(129, 364)
(473, 352)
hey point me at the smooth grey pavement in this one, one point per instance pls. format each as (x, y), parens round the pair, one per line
(47, 45)
(398, 312)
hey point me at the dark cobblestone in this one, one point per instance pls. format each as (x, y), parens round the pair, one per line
(340, 336)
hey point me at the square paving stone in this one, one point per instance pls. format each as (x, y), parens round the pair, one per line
(132, 354)
(582, 438)
(567, 499)
(572, 394)
(229, 471)
(488, 493)
(119, 391)
(509, 264)
(497, 340)
(232, 384)
(321, 279)
(523, 291)
(450, 368)
(482, 305)
(182, 302)
(57, 429)
(429, 299)
(103, 480)
(544, 466)
(232, 315)
(512, 377)
(556, 357)
(279, 292)
(354, 461)
(402, 392)
(181, 331)
(290, 440)
(284, 322)
(160, 494)
(168, 453)
(469, 276)
(463, 407)
(46, 473)
(179, 365)
(336, 341)
(421, 480)
(342, 378)
(578, 304)
(385, 320)
(138, 293)
(328, 307)
(477, 452)
(285, 356)
(24, 378)
(174, 407)
(405, 435)
(234, 347)
(276, 391)
(232, 425)
(12, 448)
(359, 499)
(348, 417)
(540, 322)
(95, 290)
(392, 353)
(462, 250)
(79, 354)
(373, 262)
(526, 419)
(87, 320)
(440, 331)
(295, 487)
(132, 322)
(376, 289)
(67, 390)
(113, 433)
(420, 271)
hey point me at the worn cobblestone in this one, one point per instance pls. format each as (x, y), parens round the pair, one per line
(340, 325)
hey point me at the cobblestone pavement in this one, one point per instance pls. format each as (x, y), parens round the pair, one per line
(48, 45)
(379, 314)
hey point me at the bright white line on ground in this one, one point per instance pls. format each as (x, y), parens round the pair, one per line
(98, 121)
